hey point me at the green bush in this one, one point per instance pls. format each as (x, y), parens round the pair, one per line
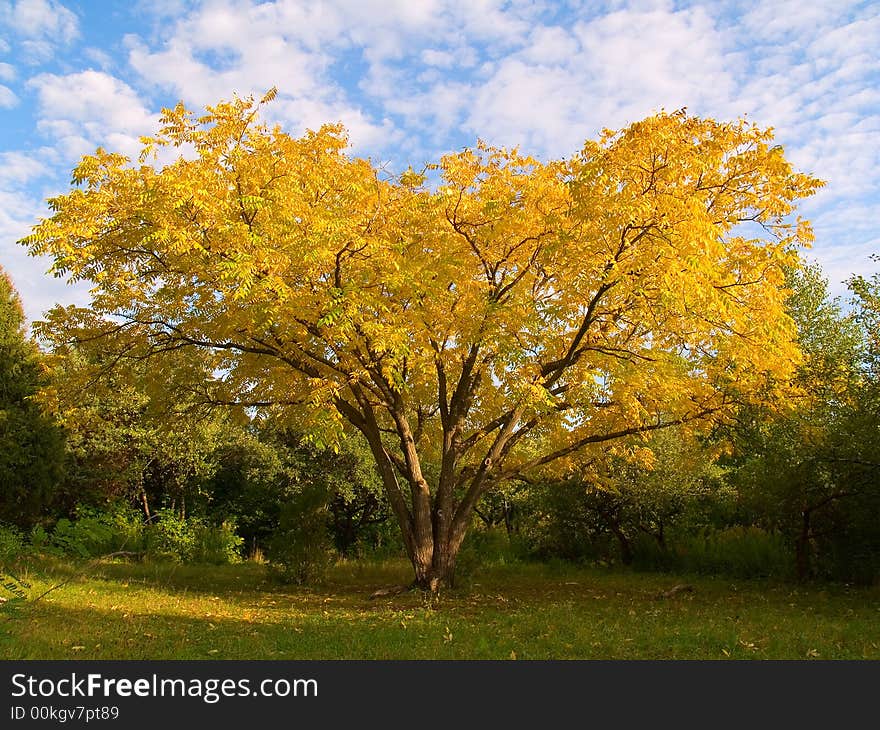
(380, 542)
(172, 537)
(219, 544)
(558, 524)
(128, 528)
(741, 552)
(86, 537)
(484, 548)
(299, 549)
(40, 539)
(12, 544)
(92, 533)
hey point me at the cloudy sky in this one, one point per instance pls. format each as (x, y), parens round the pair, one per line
(414, 78)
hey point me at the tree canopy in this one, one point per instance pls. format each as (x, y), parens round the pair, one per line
(487, 319)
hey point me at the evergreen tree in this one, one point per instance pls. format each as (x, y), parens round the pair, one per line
(31, 444)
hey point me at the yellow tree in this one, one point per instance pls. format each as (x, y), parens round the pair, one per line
(508, 317)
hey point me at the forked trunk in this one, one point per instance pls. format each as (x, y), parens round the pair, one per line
(437, 571)
(433, 522)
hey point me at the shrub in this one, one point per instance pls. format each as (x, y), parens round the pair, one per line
(217, 544)
(380, 542)
(172, 537)
(128, 528)
(739, 551)
(12, 545)
(299, 549)
(488, 547)
(41, 541)
(85, 537)
(93, 533)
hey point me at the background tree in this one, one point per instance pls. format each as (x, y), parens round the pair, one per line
(857, 550)
(264, 469)
(653, 490)
(806, 470)
(31, 444)
(508, 320)
(133, 434)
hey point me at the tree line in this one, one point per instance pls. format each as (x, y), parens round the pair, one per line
(791, 491)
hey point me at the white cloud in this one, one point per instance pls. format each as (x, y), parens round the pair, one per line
(824, 102)
(186, 70)
(792, 20)
(39, 26)
(35, 52)
(160, 9)
(89, 95)
(19, 168)
(410, 78)
(305, 49)
(104, 60)
(550, 45)
(564, 86)
(441, 59)
(21, 208)
(90, 108)
(840, 261)
(7, 72)
(221, 49)
(364, 132)
(8, 99)
(41, 19)
(494, 22)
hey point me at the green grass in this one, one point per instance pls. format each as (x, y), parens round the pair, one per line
(158, 611)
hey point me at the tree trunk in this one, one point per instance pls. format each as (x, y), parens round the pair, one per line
(146, 505)
(509, 523)
(626, 554)
(439, 573)
(433, 523)
(802, 547)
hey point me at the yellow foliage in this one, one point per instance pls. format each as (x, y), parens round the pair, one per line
(637, 283)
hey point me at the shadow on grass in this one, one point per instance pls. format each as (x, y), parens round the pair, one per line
(144, 611)
(303, 630)
(357, 579)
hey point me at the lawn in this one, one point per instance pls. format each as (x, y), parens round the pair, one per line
(530, 611)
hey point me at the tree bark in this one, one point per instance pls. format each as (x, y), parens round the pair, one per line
(439, 572)
(146, 505)
(802, 546)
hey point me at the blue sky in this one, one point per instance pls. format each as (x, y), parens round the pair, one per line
(412, 79)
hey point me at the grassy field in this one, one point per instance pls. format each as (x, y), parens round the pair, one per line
(161, 611)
